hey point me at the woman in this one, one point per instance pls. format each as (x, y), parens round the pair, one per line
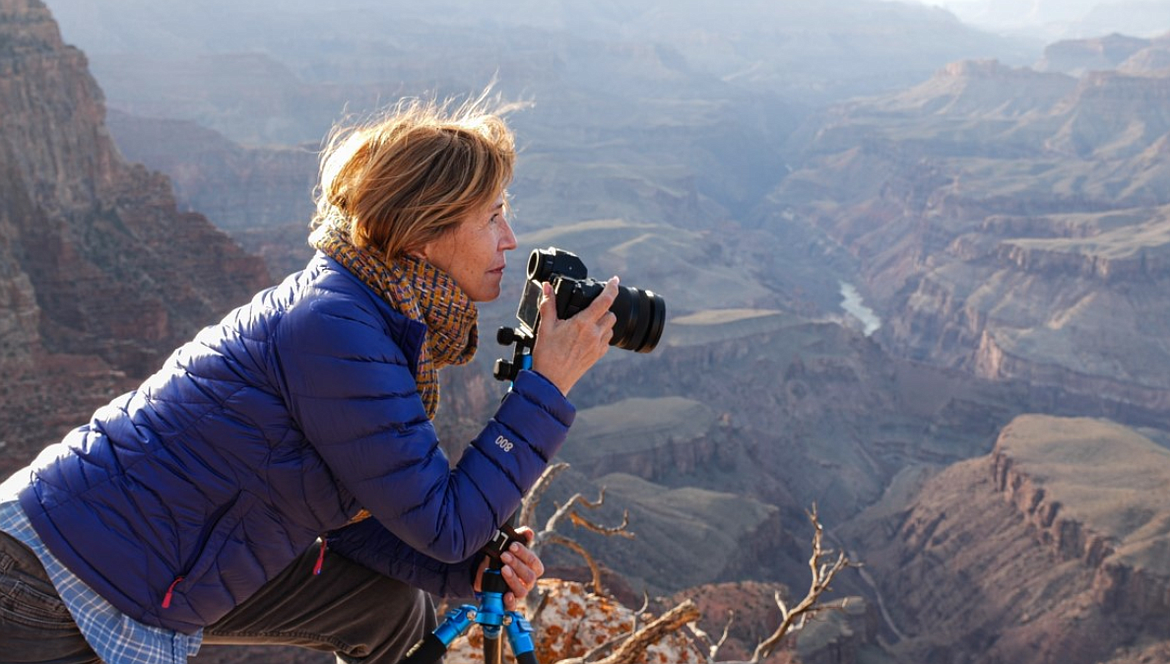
(279, 479)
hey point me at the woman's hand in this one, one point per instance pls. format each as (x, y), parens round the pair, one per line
(521, 569)
(566, 349)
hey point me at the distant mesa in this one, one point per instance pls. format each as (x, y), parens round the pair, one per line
(1120, 52)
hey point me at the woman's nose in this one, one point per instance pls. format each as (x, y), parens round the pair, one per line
(508, 241)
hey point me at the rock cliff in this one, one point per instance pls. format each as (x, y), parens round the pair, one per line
(1050, 549)
(100, 274)
(1115, 51)
(718, 441)
(1077, 56)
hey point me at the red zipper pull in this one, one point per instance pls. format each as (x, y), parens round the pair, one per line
(166, 603)
(320, 559)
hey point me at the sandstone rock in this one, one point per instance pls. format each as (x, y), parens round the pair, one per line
(1009, 223)
(100, 242)
(572, 622)
(1049, 549)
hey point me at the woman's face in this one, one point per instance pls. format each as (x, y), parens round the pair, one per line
(473, 253)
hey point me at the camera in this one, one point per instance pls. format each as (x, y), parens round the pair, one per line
(641, 314)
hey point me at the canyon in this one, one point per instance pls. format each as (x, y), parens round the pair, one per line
(994, 451)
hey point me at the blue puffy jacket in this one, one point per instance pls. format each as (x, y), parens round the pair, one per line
(179, 500)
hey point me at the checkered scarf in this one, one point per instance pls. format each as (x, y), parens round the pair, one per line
(419, 291)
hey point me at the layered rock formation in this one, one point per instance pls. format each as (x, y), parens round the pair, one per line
(101, 274)
(237, 188)
(778, 413)
(1078, 56)
(1006, 222)
(1050, 549)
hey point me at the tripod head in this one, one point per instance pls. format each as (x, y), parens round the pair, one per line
(524, 339)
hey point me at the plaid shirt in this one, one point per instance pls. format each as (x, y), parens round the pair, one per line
(114, 636)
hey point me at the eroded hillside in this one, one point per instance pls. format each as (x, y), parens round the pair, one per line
(1049, 549)
(1006, 222)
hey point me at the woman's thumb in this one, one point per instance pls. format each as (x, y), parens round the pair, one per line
(548, 302)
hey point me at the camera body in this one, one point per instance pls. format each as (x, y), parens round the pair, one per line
(641, 314)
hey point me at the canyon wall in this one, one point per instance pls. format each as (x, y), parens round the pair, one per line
(1049, 549)
(100, 274)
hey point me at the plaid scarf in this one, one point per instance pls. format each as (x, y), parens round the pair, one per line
(419, 291)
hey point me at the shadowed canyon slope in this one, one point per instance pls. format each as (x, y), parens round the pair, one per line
(1007, 225)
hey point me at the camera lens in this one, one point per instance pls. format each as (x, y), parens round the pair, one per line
(641, 315)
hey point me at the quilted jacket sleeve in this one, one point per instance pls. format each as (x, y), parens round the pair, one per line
(370, 544)
(352, 391)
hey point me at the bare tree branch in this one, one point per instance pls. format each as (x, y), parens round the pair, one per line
(713, 648)
(548, 534)
(594, 569)
(573, 501)
(619, 530)
(532, 498)
(823, 573)
(823, 567)
(722, 639)
(631, 649)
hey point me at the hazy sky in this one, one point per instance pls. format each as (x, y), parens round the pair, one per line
(1058, 19)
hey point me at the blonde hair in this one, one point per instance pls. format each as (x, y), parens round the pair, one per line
(398, 182)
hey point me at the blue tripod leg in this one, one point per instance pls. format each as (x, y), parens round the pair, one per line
(434, 645)
(490, 617)
(519, 632)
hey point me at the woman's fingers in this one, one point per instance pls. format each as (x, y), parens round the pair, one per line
(566, 349)
(522, 566)
(522, 569)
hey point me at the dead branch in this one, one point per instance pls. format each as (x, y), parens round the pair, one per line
(532, 498)
(823, 573)
(633, 647)
(567, 509)
(619, 530)
(594, 569)
(822, 565)
(705, 639)
(548, 534)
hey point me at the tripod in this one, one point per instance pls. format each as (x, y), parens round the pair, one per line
(521, 354)
(490, 615)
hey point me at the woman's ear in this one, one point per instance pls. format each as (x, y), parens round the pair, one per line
(421, 252)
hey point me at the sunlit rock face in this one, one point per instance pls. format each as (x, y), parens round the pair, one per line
(572, 622)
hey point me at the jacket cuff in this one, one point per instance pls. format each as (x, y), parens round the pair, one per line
(537, 388)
